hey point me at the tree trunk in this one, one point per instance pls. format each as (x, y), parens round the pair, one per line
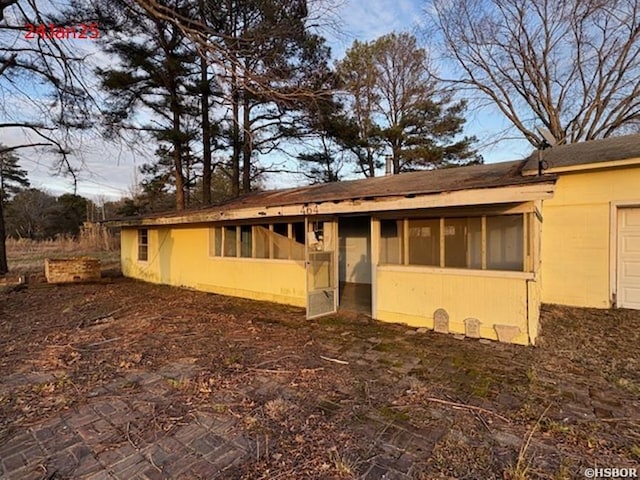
(396, 159)
(235, 138)
(177, 152)
(4, 268)
(247, 144)
(371, 167)
(206, 124)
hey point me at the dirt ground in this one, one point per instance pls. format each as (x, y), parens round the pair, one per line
(340, 397)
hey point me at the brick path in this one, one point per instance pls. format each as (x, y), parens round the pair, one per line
(106, 439)
(100, 440)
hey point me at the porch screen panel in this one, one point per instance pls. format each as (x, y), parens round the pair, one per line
(474, 242)
(229, 241)
(505, 238)
(390, 242)
(261, 239)
(424, 242)
(281, 245)
(280, 238)
(463, 242)
(455, 242)
(297, 242)
(246, 241)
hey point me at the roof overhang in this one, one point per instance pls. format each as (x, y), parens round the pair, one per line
(585, 166)
(458, 198)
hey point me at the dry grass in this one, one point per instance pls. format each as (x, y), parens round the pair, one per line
(522, 469)
(27, 256)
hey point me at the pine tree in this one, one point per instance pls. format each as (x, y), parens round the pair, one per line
(12, 179)
(400, 109)
(156, 76)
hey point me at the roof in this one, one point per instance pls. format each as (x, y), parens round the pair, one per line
(582, 155)
(404, 185)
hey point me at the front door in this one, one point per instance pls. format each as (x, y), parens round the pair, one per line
(321, 269)
(629, 258)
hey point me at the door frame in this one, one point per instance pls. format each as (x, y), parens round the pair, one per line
(372, 224)
(613, 246)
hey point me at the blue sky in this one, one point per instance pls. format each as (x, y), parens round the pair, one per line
(109, 170)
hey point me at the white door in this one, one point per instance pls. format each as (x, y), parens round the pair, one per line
(629, 258)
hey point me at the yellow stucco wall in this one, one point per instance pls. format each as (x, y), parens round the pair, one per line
(180, 257)
(411, 295)
(576, 235)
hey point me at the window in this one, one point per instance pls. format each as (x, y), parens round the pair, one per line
(463, 242)
(298, 232)
(261, 238)
(484, 242)
(246, 244)
(505, 238)
(297, 241)
(281, 241)
(424, 242)
(215, 242)
(391, 241)
(230, 241)
(143, 244)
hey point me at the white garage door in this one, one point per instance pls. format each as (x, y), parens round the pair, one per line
(629, 258)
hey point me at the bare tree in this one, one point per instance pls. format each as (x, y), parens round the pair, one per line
(45, 98)
(57, 102)
(571, 66)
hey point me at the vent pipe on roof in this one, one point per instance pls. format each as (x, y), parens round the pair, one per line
(547, 142)
(388, 165)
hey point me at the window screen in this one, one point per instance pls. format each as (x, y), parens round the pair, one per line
(463, 242)
(505, 242)
(281, 240)
(424, 242)
(262, 239)
(391, 241)
(246, 244)
(229, 241)
(215, 242)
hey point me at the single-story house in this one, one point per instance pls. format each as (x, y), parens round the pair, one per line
(471, 250)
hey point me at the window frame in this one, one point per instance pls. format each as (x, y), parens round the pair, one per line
(143, 246)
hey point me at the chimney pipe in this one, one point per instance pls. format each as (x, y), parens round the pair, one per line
(388, 165)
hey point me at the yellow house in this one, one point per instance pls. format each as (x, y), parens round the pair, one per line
(472, 250)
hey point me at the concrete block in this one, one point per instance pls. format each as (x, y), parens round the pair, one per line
(441, 321)
(506, 333)
(72, 270)
(472, 327)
